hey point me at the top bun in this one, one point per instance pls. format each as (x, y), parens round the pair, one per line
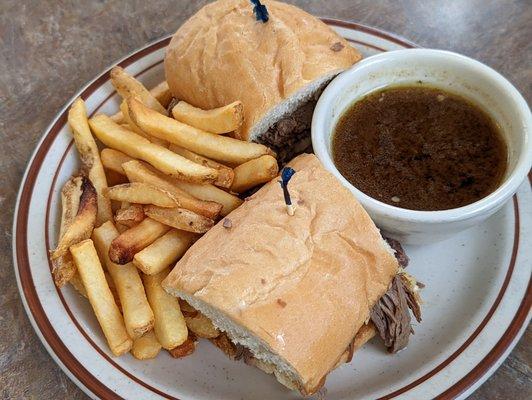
(223, 54)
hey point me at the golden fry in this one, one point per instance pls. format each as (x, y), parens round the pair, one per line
(138, 171)
(63, 267)
(211, 193)
(219, 120)
(131, 125)
(127, 86)
(179, 218)
(78, 192)
(225, 174)
(146, 346)
(141, 193)
(118, 138)
(113, 160)
(220, 148)
(162, 93)
(130, 242)
(170, 327)
(163, 252)
(90, 157)
(254, 172)
(76, 282)
(130, 216)
(100, 297)
(118, 117)
(138, 316)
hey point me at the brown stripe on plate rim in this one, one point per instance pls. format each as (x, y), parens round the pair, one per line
(370, 30)
(496, 353)
(23, 262)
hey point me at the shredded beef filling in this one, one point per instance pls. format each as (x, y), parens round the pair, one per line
(400, 254)
(290, 136)
(391, 314)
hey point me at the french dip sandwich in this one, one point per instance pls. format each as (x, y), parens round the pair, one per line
(277, 69)
(297, 295)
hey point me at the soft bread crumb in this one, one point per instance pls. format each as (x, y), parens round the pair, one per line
(284, 373)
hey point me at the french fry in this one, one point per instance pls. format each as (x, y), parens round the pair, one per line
(112, 288)
(131, 125)
(146, 346)
(81, 226)
(118, 117)
(138, 316)
(63, 270)
(170, 327)
(130, 216)
(219, 120)
(162, 93)
(79, 194)
(138, 171)
(141, 193)
(122, 228)
(76, 282)
(186, 348)
(113, 160)
(163, 252)
(225, 174)
(202, 326)
(179, 218)
(118, 138)
(127, 86)
(130, 242)
(211, 193)
(100, 297)
(63, 267)
(254, 172)
(220, 148)
(90, 157)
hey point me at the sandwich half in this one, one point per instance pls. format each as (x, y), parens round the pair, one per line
(276, 69)
(297, 293)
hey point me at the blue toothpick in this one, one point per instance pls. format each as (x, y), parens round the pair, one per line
(260, 11)
(286, 175)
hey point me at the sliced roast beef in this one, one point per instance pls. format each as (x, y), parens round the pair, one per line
(391, 314)
(400, 254)
(290, 136)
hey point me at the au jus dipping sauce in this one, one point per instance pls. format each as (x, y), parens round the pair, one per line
(419, 148)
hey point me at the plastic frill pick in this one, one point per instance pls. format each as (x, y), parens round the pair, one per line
(286, 175)
(260, 10)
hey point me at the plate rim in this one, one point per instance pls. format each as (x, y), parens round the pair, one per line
(94, 387)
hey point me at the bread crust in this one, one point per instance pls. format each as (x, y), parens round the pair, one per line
(304, 284)
(222, 54)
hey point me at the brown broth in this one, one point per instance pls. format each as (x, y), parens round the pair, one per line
(419, 148)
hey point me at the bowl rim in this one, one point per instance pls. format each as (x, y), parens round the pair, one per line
(481, 206)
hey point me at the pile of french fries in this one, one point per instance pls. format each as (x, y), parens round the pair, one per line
(159, 180)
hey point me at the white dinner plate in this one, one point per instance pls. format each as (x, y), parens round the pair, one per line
(476, 302)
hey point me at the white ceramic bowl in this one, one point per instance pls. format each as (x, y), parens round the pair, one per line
(445, 70)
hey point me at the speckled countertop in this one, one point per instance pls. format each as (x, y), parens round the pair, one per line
(49, 49)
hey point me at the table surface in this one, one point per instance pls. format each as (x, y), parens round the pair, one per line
(49, 49)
